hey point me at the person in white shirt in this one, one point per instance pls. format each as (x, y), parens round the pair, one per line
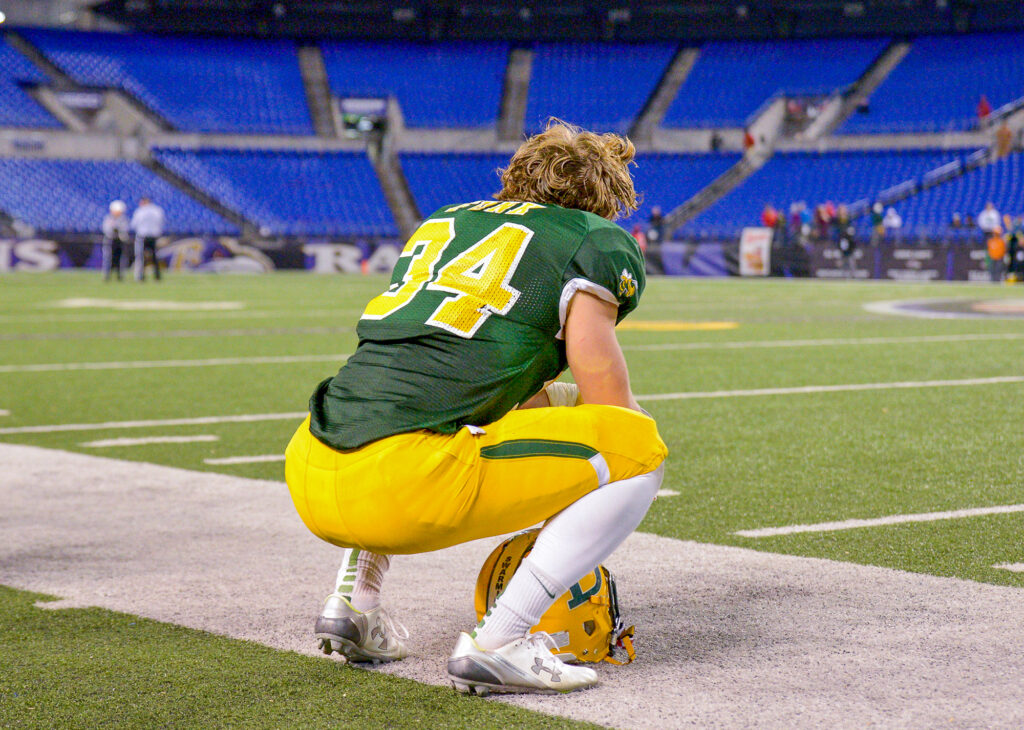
(989, 219)
(892, 223)
(115, 237)
(148, 224)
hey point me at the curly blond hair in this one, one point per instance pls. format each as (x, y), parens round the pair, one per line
(571, 167)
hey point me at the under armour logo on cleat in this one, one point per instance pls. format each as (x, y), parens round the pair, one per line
(540, 665)
(377, 633)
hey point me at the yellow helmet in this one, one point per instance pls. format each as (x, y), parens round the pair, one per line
(584, 623)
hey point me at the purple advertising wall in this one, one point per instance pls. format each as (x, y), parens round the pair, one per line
(937, 262)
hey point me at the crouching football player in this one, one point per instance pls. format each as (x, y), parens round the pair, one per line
(439, 430)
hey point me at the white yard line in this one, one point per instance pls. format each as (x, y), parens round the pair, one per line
(826, 342)
(796, 390)
(104, 443)
(147, 364)
(55, 428)
(882, 521)
(4, 412)
(667, 493)
(244, 459)
(669, 346)
(1013, 567)
(109, 425)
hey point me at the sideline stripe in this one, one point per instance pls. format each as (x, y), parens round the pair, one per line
(826, 342)
(144, 364)
(163, 334)
(104, 443)
(834, 388)
(55, 428)
(109, 425)
(880, 521)
(245, 459)
(1013, 567)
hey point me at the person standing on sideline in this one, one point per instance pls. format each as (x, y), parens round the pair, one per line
(148, 224)
(989, 220)
(115, 237)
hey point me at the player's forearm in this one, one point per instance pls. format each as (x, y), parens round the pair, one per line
(602, 376)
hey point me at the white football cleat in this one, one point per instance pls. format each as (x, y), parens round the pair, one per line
(523, 665)
(359, 636)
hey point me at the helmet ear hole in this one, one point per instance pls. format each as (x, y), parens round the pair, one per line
(589, 627)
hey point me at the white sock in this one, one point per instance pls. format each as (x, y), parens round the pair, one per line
(361, 576)
(572, 544)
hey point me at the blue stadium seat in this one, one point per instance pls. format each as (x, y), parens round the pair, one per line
(17, 108)
(198, 84)
(73, 195)
(290, 193)
(814, 178)
(938, 85)
(436, 84)
(600, 86)
(1001, 182)
(437, 179)
(667, 180)
(731, 80)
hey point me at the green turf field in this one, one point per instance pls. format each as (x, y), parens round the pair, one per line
(83, 363)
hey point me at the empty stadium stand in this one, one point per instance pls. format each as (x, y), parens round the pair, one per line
(436, 84)
(1001, 182)
(197, 84)
(290, 193)
(600, 86)
(731, 80)
(17, 108)
(72, 196)
(938, 85)
(666, 180)
(814, 178)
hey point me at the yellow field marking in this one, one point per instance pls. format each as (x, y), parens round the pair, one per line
(656, 326)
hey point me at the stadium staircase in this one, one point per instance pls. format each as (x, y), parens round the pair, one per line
(512, 119)
(395, 186)
(654, 112)
(128, 114)
(318, 92)
(844, 105)
(249, 230)
(719, 188)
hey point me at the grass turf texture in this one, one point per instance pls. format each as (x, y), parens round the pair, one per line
(738, 463)
(97, 668)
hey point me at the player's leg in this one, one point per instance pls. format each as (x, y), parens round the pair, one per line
(106, 260)
(151, 245)
(625, 455)
(115, 252)
(352, 621)
(140, 259)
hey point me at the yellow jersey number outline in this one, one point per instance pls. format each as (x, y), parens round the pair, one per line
(478, 277)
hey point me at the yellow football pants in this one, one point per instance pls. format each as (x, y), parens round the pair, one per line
(422, 491)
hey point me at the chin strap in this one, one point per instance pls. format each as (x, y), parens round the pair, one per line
(623, 641)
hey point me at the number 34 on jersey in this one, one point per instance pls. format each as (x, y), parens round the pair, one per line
(477, 279)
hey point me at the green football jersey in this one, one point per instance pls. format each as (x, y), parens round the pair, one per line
(471, 325)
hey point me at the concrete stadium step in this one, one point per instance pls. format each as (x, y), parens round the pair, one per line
(511, 121)
(862, 89)
(665, 93)
(249, 229)
(318, 90)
